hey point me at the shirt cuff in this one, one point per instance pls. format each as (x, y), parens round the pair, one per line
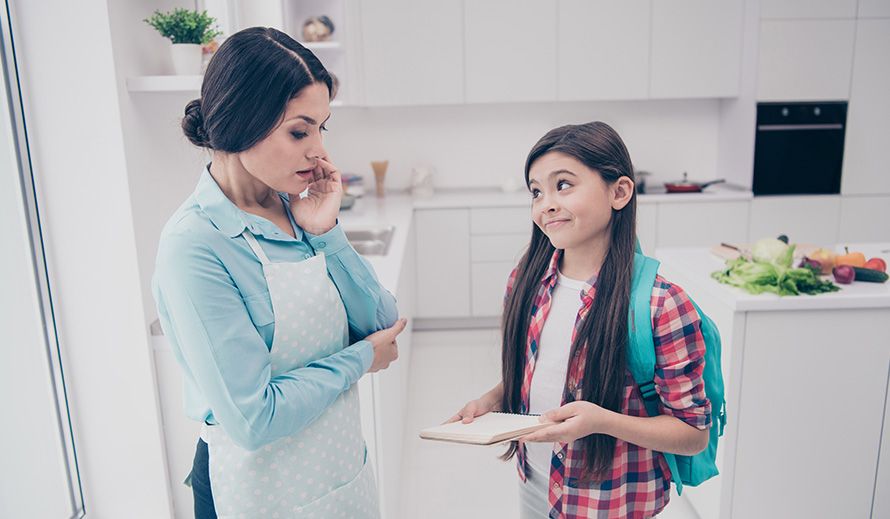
(330, 242)
(366, 353)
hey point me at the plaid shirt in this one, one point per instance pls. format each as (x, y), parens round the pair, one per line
(640, 480)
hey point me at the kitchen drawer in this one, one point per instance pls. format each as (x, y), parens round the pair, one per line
(504, 247)
(501, 220)
(804, 219)
(443, 263)
(489, 286)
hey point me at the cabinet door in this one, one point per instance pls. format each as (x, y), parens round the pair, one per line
(881, 505)
(812, 402)
(804, 219)
(443, 262)
(702, 223)
(803, 60)
(808, 9)
(510, 50)
(489, 284)
(868, 118)
(412, 52)
(864, 219)
(603, 50)
(696, 48)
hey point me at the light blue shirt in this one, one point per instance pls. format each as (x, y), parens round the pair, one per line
(216, 313)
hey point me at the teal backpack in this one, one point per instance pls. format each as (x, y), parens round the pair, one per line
(685, 470)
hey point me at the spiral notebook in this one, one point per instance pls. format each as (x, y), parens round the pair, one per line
(488, 429)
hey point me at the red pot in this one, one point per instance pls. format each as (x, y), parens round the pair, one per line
(685, 186)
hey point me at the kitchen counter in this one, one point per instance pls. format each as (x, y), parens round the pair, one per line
(806, 394)
(493, 197)
(697, 263)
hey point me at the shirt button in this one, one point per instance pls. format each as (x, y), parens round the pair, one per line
(555, 485)
(560, 455)
(321, 244)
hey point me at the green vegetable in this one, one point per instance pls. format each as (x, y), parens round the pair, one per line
(772, 250)
(776, 278)
(871, 275)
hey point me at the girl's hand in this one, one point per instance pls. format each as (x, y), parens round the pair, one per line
(574, 420)
(487, 403)
(317, 213)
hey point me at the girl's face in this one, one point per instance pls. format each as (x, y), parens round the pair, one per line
(572, 204)
(285, 159)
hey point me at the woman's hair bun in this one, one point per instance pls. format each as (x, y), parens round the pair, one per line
(193, 124)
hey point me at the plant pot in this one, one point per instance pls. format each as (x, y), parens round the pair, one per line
(186, 58)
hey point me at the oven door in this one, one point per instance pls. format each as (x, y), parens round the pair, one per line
(799, 148)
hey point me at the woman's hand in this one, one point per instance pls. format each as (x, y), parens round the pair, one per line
(573, 421)
(317, 213)
(385, 348)
(487, 403)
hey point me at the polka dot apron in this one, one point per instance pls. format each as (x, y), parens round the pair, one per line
(321, 471)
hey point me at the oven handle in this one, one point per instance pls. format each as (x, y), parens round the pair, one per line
(782, 127)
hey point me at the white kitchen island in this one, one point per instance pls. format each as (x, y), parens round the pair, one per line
(806, 389)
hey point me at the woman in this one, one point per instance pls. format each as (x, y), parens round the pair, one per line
(259, 293)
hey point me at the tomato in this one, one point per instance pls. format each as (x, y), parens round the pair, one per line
(876, 264)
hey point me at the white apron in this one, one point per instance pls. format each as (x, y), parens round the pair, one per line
(321, 471)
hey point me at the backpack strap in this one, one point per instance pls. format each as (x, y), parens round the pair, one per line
(640, 350)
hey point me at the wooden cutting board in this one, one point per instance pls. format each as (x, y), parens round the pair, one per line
(721, 251)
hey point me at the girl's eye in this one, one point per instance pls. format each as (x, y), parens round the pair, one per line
(299, 135)
(535, 193)
(562, 184)
(323, 128)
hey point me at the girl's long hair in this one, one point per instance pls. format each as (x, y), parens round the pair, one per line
(604, 330)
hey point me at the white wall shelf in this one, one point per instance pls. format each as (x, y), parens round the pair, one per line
(160, 84)
(164, 83)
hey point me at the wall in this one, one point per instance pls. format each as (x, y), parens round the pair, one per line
(76, 142)
(480, 145)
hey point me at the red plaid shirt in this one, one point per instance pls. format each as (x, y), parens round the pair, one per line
(640, 481)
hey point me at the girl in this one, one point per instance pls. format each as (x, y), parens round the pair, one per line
(565, 330)
(259, 293)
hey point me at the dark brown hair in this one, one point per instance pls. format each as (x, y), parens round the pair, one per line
(604, 329)
(247, 86)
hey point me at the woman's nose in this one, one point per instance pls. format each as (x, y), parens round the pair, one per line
(317, 150)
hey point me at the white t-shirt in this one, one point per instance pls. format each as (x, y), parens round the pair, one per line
(551, 367)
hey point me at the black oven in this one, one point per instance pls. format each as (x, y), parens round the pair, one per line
(799, 148)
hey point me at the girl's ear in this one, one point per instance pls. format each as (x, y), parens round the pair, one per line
(622, 191)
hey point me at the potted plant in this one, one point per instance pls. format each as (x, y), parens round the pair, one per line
(187, 30)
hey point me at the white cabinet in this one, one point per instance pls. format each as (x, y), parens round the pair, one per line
(647, 227)
(881, 505)
(804, 219)
(874, 9)
(412, 52)
(696, 48)
(868, 117)
(864, 219)
(443, 262)
(702, 223)
(499, 237)
(808, 9)
(790, 435)
(510, 50)
(805, 60)
(602, 50)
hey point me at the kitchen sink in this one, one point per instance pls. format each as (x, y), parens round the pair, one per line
(370, 242)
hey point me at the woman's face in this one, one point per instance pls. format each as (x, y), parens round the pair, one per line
(571, 203)
(285, 159)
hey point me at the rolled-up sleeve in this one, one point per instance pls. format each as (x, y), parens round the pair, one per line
(224, 358)
(369, 306)
(679, 359)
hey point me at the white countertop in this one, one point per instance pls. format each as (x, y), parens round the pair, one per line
(369, 212)
(494, 197)
(697, 264)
